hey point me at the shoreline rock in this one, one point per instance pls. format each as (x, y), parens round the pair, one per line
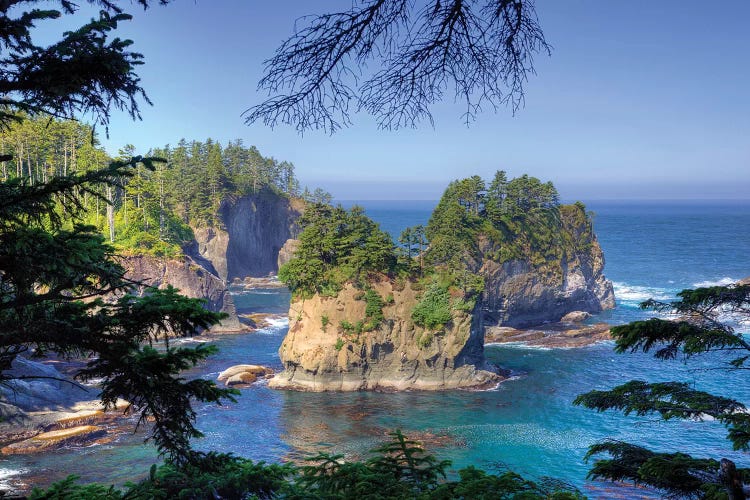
(553, 335)
(81, 424)
(191, 279)
(244, 375)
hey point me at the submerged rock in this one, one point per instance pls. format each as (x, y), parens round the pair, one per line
(322, 355)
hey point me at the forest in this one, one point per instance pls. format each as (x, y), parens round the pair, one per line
(152, 211)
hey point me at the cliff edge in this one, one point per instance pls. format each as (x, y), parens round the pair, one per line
(519, 293)
(254, 228)
(326, 349)
(190, 278)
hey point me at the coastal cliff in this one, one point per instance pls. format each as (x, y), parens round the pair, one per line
(253, 230)
(324, 350)
(519, 293)
(246, 242)
(190, 278)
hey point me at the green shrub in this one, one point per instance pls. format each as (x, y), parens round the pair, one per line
(346, 326)
(424, 339)
(339, 344)
(324, 322)
(373, 309)
(434, 310)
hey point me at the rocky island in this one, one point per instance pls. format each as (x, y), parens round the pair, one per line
(366, 315)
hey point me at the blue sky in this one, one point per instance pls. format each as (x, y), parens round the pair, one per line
(640, 99)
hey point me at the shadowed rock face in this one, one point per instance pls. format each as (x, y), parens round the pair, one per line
(190, 278)
(518, 294)
(256, 228)
(398, 355)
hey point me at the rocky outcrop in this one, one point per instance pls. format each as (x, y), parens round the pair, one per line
(256, 227)
(243, 375)
(42, 409)
(287, 252)
(553, 335)
(519, 294)
(55, 439)
(575, 317)
(36, 386)
(319, 355)
(190, 278)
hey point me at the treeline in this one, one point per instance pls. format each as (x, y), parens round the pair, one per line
(517, 219)
(154, 210)
(507, 219)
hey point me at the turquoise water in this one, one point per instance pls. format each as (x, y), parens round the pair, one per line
(528, 423)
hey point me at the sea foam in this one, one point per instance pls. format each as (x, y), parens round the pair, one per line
(628, 294)
(726, 280)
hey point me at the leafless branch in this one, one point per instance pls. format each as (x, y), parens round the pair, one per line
(482, 52)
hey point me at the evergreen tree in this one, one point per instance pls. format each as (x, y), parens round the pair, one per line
(55, 269)
(696, 329)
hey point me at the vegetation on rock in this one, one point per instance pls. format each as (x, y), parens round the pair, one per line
(337, 246)
(512, 219)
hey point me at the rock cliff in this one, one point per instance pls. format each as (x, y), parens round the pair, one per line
(256, 227)
(190, 278)
(519, 294)
(319, 355)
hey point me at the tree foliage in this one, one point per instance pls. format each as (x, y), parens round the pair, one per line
(52, 284)
(518, 218)
(55, 269)
(398, 469)
(153, 210)
(699, 327)
(84, 72)
(416, 54)
(337, 246)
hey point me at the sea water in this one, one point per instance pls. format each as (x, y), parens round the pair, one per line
(528, 424)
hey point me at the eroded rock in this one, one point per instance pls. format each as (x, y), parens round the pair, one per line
(398, 355)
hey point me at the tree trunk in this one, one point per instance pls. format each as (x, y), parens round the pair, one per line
(730, 478)
(111, 214)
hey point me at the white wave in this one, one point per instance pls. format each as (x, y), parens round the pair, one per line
(275, 324)
(726, 280)
(8, 474)
(189, 340)
(519, 345)
(278, 321)
(635, 294)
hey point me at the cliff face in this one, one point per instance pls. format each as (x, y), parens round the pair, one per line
(519, 294)
(398, 355)
(257, 226)
(190, 278)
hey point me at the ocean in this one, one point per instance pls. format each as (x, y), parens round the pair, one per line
(528, 424)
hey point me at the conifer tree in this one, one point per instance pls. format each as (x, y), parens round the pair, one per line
(54, 269)
(696, 329)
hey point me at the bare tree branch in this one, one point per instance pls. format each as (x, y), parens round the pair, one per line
(482, 52)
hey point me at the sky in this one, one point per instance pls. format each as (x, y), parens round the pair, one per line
(639, 100)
